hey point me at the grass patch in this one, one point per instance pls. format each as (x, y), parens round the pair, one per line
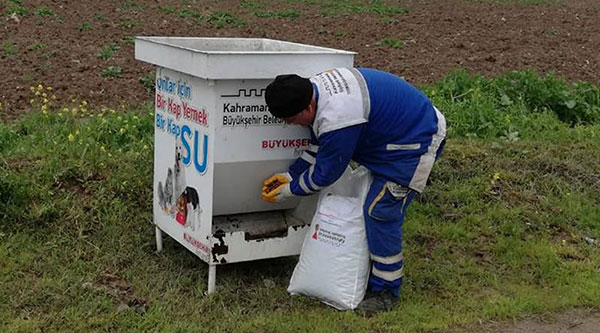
(147, 81)
(499, 233)
(43, 12)
(112, 72)
(128, 23)
(517, 105)
(167, 9)
(392, 42)
(36, 46)
(525, 2)
(347, 7)
(9, 49)
(280, 14)
(129, 5)
(252, 5)
(190, 14)
(388, 20)
(85, 26)
(222, 19)
(45, 65)
(108, 51)
(215, 19)
(101, 17)
(16, 7)
(128, 40)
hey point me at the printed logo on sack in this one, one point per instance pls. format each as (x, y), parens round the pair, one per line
(328, 237)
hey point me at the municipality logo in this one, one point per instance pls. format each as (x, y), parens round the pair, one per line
(316, 234)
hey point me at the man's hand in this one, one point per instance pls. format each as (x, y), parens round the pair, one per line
(277, 188)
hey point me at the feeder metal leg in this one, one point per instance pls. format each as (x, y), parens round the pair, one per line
(159, 239)
(212, 278)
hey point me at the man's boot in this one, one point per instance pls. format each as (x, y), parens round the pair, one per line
(375, 302)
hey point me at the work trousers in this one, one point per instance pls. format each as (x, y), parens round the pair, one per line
(384, 211)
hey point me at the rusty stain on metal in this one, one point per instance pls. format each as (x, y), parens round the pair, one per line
(221, 248)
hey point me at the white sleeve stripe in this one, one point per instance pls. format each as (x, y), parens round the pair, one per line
(308, 158)
(419, 178)
(303, 186)
(310, 180)
(366, 98)
(313, 148)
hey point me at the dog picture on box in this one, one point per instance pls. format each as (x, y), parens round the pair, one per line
(175, 198)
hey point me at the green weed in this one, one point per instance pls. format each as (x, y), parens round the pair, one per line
(128, 40)
(36, 46)
(289, 13)
(9, 49)
(167, 9)
(43, 11)
(222, 19)
(45, 65)
(216, 19)
(388, 20)
(17, 8)
(392, 42)
(190, 14)
(129, 5)
(100, 17)
(525, 2)
(128, 23)
(347, 7)
(27, 78)
(108, 51)
(147, 81)
(85, 26)
(519, 102)
(252, 5)
(112, 72)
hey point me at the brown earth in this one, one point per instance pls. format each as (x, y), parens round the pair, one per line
(574, 321)
(439, 35)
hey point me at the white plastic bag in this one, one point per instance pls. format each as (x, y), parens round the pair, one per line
(334, 261)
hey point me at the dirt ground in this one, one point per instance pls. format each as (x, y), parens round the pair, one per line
(574, 321)
(60, 49)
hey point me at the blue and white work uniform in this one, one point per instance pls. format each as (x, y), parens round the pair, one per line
(391, 128)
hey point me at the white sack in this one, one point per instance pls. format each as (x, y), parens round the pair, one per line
(334, 261)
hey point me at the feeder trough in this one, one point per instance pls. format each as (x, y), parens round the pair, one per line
(216, 142)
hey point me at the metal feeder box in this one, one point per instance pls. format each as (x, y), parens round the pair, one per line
(216, 142)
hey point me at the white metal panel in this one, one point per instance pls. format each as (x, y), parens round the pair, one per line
(246, 130)
(238, 185)
(237, 58)
(250, 146)
(237, 159)
(175, 149)
(268, 66)
(179, 59)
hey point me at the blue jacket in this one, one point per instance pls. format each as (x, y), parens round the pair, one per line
(375, 118)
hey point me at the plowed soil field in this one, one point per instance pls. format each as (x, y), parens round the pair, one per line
(84, 49)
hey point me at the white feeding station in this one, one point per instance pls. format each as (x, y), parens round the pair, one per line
(216, 142)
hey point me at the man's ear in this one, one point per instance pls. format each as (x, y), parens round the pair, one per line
(310, 109)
